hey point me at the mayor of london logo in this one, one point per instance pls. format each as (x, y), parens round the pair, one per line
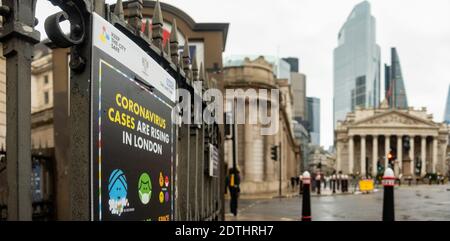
(104, 36)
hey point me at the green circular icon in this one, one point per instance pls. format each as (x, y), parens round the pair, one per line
(145, 188)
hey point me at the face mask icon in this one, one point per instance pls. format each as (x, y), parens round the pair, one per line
(145, 188)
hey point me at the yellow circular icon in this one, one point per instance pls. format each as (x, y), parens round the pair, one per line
(161, 197)
(161, 179)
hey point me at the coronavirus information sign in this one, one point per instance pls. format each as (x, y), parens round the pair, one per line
(132, 148)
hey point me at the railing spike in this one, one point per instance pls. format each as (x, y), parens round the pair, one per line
(187, 59)
(157, 30)
(194, 67)
(167, 49)
(118, 10)
(135, 14)
(147, 30)
(174, 42)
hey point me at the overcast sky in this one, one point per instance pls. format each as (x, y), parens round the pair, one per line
(307, 29)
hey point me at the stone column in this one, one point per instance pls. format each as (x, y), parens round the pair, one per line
(363, 156)
(435, 153)
(374, 155)
(351, 145)
(399, 155)
(411, 154)
(387, 148)
(338, 155)
(424, 155)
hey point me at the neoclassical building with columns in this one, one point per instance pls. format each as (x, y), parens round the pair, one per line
(259, 173)
(368, 136)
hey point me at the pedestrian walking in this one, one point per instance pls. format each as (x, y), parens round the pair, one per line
(355, 182)
(233, 181)
(313, 182)
(338, 181)
(333, 181)
(292, 183)
(301, 185)
(318, 177)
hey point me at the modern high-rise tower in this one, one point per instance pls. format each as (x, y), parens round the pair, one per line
(314, 119)
(356, 64)
(395, 91)
(447, 108)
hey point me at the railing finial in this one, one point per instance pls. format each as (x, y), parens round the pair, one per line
(174, 42)
(157, 30)
(118, 10)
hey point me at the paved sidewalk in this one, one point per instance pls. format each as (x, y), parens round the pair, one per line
(324, 192)
(290, 194)
(413, 203)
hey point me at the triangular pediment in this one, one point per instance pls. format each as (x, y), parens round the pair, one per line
(395, 119)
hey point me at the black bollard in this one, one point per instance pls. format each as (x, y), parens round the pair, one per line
(388, 198)
(306, 204)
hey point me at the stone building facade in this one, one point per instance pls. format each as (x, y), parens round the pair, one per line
(41, 98)
(317, 155)
(368, 136)
(259, 173)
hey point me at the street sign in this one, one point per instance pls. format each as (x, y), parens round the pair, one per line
(213, 161)
(132, 145)
(366, 185)
(274, 153)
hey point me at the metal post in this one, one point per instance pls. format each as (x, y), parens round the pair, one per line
(234, 138)
(281, 179)
(388, 198)
(18, 37)
(79, 39)
(306, 199)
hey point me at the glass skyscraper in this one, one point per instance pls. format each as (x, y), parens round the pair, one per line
(313, 106)
(447, 108)
(356, 63)
(394, 84)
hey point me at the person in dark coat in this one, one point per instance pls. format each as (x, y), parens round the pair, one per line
(233, 181)
(293, 183)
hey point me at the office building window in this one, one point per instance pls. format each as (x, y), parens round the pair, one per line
(360, 91)
(46, 97)
(46, 79)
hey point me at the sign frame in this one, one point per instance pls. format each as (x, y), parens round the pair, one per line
(151, 82)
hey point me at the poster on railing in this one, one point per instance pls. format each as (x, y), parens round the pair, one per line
(132, 133)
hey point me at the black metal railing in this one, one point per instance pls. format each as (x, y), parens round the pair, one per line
(42, 194)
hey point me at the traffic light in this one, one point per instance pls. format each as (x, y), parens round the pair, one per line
(391, 159)
(380, 167)
(390, 156)
(274, 151)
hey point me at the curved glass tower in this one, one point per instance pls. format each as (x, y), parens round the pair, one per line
(394, 83)
(356, 63)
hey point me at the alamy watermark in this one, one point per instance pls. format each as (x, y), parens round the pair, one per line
(249, 106)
